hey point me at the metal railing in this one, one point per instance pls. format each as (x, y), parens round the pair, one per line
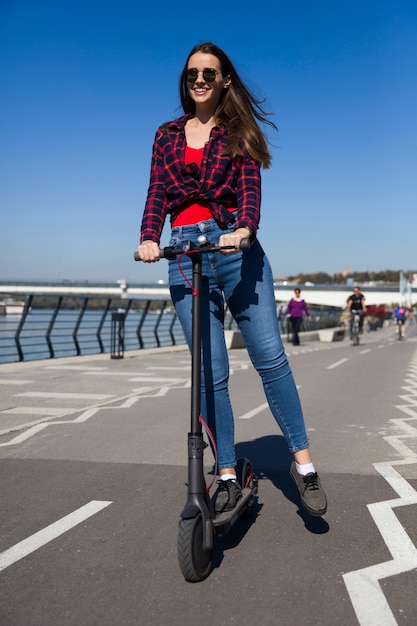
(50, 326)
(58, 326)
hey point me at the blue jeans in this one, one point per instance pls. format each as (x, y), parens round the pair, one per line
(245, 281)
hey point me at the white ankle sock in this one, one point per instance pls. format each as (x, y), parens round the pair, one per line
(228, 477)
(305, 468)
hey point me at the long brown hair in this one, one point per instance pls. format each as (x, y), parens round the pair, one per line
(238, 109)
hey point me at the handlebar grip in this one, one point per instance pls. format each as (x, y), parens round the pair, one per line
(245, 244)
(166, 253)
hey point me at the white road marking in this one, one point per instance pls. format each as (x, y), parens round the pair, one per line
(365, 351)
(36, 410)
(51, 532)
(259, 409)
(75, 367)
(156, 367)
(141, 379)
(363, 586)
(330, 367)
(112, 374)
(81, 418)
(65, 396)
(17, 381)
(127, 401)
(369, 602)
(37, 427)
(26, 435)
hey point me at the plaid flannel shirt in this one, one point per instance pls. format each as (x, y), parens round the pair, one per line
(222, 182)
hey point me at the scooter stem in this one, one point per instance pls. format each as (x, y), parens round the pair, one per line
(196, 444)
(196, 344)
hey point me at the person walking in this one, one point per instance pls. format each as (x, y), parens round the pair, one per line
(205, 175)
(296, 309)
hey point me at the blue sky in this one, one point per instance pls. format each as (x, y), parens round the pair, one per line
(84, 85)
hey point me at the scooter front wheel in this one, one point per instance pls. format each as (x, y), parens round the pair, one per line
(195, 562)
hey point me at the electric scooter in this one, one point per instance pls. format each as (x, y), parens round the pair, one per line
(199, 523)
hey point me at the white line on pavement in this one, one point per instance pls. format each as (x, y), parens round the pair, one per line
(75, 367)
(367, 596)
(36, 410)
(175, 368)
(365, 351)
(330, 367)
(65, 396)
(44, 536)
(110, 373)
(141, 379)
(37, 427)
(25, 435)
(254, 412)
(17, 381)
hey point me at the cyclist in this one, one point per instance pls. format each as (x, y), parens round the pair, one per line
(356, 302)
(400, 315)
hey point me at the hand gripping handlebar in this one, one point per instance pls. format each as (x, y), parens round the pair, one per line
(170, 252)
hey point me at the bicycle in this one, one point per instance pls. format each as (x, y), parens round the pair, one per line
(199, 523)
(400, 325)
(355, 327)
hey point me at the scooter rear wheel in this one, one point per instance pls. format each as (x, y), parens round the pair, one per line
(195, 562)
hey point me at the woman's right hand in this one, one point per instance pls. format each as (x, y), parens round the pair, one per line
(149, 251)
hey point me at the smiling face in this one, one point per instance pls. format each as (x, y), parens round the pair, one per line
(206, 94)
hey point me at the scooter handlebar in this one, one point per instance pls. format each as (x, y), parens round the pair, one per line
(170, 252)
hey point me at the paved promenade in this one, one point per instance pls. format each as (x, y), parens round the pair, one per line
(93, 466)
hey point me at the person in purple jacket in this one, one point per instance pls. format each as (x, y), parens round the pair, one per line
(296, 309)
(205, 178)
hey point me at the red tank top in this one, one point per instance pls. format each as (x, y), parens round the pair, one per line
(194, 212)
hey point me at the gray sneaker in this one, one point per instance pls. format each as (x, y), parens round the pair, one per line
(227, 495)
(312, 495)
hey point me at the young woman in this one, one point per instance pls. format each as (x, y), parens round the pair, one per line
(205, 174)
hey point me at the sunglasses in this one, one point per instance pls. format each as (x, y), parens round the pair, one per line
(209, 75)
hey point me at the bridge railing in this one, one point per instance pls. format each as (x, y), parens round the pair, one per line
(51, 326)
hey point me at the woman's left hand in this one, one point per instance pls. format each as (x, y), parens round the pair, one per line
(234, 239)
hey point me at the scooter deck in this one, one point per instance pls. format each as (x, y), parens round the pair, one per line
(223, 521)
